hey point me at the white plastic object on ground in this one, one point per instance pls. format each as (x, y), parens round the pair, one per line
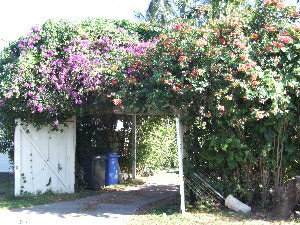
(236, 205)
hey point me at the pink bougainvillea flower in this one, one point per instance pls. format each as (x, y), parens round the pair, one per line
(253, 76)
(181, 58)
(178, 27)
(40, 108)
(285, 38)
(36, 29)
(55, 122)
(78, 101)
(237, 42)
(222, 41)
(202, 42)
(228, 97)
(269, 48)
(117, 102)
(8, 95)
(280, 5)
(175, 88)
(260, 114)
(221, 108)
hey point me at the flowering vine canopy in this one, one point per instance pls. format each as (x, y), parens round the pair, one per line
(245, 62)
(63, 69)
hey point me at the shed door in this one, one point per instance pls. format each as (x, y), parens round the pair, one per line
(45, 160)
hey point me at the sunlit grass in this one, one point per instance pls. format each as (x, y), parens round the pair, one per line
(167, 212)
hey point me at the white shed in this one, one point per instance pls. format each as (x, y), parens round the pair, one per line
(44, 160)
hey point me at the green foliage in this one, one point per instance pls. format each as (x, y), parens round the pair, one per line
(6, 134)
(236, 77)
(156, 143)
(247, 136)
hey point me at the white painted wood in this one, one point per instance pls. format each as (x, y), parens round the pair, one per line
(44, 157)
(151, 110)
(45, 160)
(134, 146)
(179, 131)
(17, 158)
(53, 157)
(71, 152)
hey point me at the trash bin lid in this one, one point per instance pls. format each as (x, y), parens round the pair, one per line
(97, 157)
(113, 154)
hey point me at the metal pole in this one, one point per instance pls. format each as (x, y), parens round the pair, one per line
(179, 132)
(134, 146)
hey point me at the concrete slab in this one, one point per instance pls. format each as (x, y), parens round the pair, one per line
(108, 208)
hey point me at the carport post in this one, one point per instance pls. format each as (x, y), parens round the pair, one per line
(179, 131)
(134, 146)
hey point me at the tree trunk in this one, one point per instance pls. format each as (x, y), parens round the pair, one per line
(285, 198)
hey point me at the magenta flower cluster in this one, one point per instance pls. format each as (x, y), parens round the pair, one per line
(51, 75)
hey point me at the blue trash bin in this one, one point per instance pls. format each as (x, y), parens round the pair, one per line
(111, 175)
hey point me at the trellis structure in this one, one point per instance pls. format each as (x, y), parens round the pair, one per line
(180, 147)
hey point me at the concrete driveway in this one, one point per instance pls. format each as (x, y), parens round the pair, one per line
(108, 208)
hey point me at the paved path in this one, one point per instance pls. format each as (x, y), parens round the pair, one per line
(108, 208)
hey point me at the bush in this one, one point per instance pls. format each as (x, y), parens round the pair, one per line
(156, 143)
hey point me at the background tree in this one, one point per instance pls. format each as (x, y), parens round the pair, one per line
(163, 11)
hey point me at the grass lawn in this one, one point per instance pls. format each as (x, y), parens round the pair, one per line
(167, 212)
(9, 201)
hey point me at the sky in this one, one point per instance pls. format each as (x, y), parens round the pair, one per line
(18, 16)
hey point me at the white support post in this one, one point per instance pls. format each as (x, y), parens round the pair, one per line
(134, 146)
(179, 131)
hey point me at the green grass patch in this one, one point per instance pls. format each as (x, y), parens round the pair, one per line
(9, 201)
(167, 212)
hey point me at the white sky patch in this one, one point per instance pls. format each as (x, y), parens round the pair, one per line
(120, 125)
(18, 16)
